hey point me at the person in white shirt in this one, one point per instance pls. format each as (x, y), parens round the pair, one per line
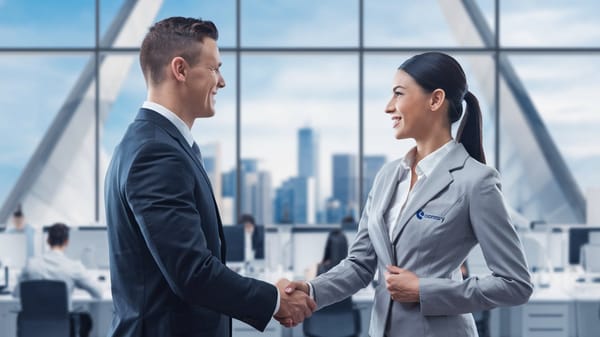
(55, 265)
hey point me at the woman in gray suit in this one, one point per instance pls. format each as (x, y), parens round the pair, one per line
(424, 214)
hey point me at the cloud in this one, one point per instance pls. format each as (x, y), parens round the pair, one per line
(550, 25)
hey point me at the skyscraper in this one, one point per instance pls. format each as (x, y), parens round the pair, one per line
(345, 179)
(294, 202)
(371, 165)
(255, 192)
(307, 153)
(308, 165)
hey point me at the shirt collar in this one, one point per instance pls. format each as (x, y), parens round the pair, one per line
(426, 165)
(173, 118)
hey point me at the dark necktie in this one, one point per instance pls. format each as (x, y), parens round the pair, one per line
(196, 150)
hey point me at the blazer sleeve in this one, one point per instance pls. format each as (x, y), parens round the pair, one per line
(351, 274)
(160, 192)
(509, 283)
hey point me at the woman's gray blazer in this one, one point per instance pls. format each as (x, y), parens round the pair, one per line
(458, 206)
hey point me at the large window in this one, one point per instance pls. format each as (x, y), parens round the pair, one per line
(300, 129)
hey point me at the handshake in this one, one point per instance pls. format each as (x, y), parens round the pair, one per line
(295, 303)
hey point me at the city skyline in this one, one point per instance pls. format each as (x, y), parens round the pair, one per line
(295, 200)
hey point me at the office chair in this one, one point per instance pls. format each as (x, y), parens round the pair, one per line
(44, 309)
(341, 319)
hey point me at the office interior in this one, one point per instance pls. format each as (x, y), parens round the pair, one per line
(300, 132)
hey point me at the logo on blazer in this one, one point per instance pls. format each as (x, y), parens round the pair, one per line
(420, 215)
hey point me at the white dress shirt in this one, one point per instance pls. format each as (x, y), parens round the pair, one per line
(173, 118)
(55, 265)
(403, 193)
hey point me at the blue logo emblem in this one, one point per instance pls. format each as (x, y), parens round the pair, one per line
(420, 215)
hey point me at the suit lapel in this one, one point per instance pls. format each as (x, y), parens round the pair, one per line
(389, 184)
(422, 193)
(155, 117)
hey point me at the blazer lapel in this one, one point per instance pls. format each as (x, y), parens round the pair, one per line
(155, 117)
(440, 178)
(389, 184)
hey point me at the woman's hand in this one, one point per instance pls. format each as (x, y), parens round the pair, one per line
(402, 284)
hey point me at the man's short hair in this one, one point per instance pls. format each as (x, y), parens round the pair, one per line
(244, 218)
(172, 37)
(58, 234)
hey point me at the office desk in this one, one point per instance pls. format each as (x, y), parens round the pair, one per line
(562, 308)
(101, 311)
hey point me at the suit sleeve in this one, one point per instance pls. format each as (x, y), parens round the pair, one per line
(160, 191)
(351, 274)
(509, 283)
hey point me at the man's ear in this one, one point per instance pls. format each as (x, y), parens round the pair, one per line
(437, 99)
(178, 68)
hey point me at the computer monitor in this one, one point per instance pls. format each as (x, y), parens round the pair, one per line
(13, 249)
(579, 236)
(234, 238)
(88, 244)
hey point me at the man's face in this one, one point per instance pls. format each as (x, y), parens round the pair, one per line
(204, 80)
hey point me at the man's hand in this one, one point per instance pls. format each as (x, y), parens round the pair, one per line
(295, 307)
(402, 284)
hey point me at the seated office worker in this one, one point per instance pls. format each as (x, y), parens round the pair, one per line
(425, 212)
(253, 240)
(55, 265)
(166, 243)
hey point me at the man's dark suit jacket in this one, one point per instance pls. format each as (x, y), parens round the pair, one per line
(167, 250)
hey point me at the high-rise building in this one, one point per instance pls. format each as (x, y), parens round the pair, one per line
(308, 164)
(371, 165)
(345, 181)
(255, 191)
(283, 204)
(294, 202)
(307, 153)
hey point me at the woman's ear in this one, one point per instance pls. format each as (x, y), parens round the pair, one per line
(178, 68)
(437, 99)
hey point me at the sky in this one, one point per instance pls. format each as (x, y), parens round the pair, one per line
(283, 92)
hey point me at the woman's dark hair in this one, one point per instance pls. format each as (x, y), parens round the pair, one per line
(434, 70)
(58, 234)
(336, 249)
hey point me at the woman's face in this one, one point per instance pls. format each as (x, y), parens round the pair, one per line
(408, 107)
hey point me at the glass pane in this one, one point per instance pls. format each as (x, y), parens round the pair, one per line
(391, 23)
(307, 23)
(555, 24)
(379, 143)
(37, 23)
(33, 91)
(222, 13)
(300, 137)
(487, 8)
(122, 97)
(564, 90)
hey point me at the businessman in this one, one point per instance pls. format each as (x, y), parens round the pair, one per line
(167, 248)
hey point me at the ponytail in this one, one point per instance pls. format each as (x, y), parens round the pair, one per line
(469, 131)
